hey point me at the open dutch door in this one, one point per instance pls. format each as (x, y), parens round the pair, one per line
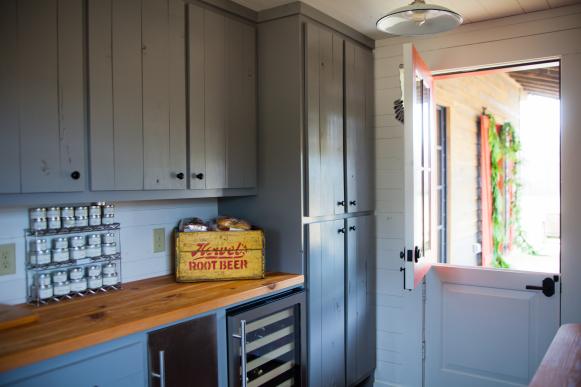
(418, 133)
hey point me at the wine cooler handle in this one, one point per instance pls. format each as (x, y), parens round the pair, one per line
(242, 337)
(161, 374)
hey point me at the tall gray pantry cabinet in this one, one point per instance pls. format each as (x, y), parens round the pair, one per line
(315, 184)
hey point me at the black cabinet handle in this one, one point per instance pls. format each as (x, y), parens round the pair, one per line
(353, 203)
(341, 230)
(180, 175)
(76, 175)
(199, 176)
(341, 203)
(352, 228)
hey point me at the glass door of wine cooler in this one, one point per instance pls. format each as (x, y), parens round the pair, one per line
(266, 342)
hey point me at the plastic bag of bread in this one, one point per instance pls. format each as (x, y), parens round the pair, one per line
(227, 223)
(192, 224)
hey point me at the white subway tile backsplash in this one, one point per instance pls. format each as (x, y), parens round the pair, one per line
(138, 219)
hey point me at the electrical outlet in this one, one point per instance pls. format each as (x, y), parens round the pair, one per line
(158, 240)
(8, 259)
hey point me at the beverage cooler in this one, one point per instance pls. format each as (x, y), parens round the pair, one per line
(267, 342)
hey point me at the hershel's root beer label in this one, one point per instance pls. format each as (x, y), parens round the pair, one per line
(214, 255)
(206, 257)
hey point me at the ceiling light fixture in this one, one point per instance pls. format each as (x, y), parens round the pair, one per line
(419, 18)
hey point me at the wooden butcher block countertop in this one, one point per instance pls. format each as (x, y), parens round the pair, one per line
(139, 306)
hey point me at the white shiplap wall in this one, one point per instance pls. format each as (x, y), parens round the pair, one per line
(538, 35)
(137, 219)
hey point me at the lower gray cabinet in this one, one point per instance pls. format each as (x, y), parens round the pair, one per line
(360, 299)
(326, 303)
(185, 354)
(116, 363)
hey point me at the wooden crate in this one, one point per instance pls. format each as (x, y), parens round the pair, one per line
(219, 255)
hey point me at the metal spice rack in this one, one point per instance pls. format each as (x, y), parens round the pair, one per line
(34, 270)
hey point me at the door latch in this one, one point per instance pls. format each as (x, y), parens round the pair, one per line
(548, 287)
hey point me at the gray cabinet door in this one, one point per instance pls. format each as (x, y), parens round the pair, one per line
(164, 94)
(41, 96)
(359, 152)
(115, 94)
(326, 303)
(360, 299)
(137, 94)
(324, 132)
(222, 87)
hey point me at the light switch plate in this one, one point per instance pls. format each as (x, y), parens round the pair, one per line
(158, 240)
(8, 259)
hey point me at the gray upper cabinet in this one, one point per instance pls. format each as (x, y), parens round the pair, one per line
(324, 132)
(222, 110)
(359, 153)
(41, 96)
(137, 94)
(164, 94)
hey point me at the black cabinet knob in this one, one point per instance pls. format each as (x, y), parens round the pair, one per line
(341, 203)
(180, 175)
(341, 231)
(76, 175)
(199, 176)
(352, 228)
(353, 202)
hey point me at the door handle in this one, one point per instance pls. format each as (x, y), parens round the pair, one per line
(548, 287)
(161, 374)
(243, 364)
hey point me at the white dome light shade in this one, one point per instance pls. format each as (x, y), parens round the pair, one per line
(419, 18)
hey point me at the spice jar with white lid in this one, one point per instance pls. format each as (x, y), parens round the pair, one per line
(67, 212)
(95, 210)
(41, 257)
(53, 212)
(109, 268)
(78, 252)
(59, 276)
(39, 245)
(37, 213)
(60, 243)
(108, 219)
(43, 279)
(109, 209)
(109, 248)
(60, 255)
(45, 292)
(54, 223)
(95, 282)
(110, 279)
(93, 251)
(76, 241)
(94, 239)
(94, 270)
(94, 220)
(61, 288)
(81, 221)
(109, 237)
(38, 224)
(76, 273)
(79, 285)
(81, 211)
(68, 221)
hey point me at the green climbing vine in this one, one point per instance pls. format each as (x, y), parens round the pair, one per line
(505, 146)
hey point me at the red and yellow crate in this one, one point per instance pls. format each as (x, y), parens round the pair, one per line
(219, 255)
